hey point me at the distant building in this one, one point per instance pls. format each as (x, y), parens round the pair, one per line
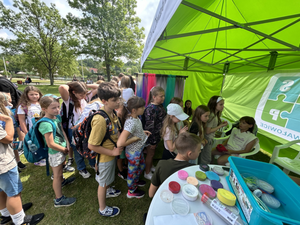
(93, 70)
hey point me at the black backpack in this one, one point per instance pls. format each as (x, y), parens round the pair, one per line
(16, 95)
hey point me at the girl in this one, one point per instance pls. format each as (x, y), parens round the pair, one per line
(58, 148)
(179, 101)
(216, 106)
(153, 117)
(127, 92)
(28, 107)
(241, 140)
(188, 108)
(75, 94)
(198, 125)
(133, 129)
(169, 131)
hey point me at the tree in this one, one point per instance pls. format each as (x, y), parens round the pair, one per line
(109, 30)
(41, 33)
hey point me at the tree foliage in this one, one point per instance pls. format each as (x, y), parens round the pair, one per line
(109, 30)
(41, 34)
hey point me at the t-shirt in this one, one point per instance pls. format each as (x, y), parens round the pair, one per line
(238, 140)
(98, 132)
(213, 122)
(154, 116)
(77, 112)
(169, 137)
(59, 138)
(7, 156)
(127, 93)
(34, 110)
(166, 168)
(194, 129)
(135, 127)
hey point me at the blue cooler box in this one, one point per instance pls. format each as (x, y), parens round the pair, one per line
(286, 190)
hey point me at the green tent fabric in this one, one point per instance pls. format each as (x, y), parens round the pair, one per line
(248, 41)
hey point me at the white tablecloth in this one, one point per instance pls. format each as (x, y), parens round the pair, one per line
(158, 207)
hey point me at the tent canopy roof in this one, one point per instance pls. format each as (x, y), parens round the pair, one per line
(212, 35)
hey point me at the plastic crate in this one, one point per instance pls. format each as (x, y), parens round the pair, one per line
(285, 189)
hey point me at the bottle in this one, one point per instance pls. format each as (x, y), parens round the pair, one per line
(32, 147)
(222, 211)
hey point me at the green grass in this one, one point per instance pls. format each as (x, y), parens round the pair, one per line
(42, 82)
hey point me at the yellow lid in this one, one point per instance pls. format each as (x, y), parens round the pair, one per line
(193, 181)
(226, 197)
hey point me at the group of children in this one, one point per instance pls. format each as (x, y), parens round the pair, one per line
(133, 131)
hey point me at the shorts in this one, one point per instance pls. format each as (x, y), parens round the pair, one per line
(56, 159)
(10, 182)
(106, 173)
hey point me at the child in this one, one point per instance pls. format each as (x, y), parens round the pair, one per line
(28, 107)
(153, 118)
(180, 124)
(189, 147)
(216, 106)
(133, 129)
(198, 125)
(127, 92)
(169, 131)
(58, 148)
(10, 183)
(75, 95)
(110, 97)
(188, 108)
(241, 140)
(4, 104)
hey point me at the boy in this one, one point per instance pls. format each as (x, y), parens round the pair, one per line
(110, 97)
(188, 146)
(10, 183)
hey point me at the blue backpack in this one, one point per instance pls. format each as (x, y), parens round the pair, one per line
(36, 137)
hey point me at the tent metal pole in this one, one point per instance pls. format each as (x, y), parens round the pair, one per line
(169, 63)
(266, 36)
(257, 49)
(272, 61)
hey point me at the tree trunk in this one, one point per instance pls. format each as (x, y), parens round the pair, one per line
(108, 71)
(51, 77)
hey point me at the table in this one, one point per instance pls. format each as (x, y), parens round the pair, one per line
(158, 207)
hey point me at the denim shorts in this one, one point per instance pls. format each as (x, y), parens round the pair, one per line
(10, 182)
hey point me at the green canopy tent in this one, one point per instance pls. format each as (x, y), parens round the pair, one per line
(237, 48)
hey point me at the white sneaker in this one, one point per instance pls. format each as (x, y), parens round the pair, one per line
(153, 169)
(84, 173)
(148, 176)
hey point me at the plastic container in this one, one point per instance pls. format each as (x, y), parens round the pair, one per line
(212, 175)
(286, 190)
(216, 184)
(206, 189)
(180, 206)
(182, 174)
(174, 187)
(166, 196)
(200, 175)
(204, 167)
(226, 197)
(190, 192)
(193, 181)
(218, 170)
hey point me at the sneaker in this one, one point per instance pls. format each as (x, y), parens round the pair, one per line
(67, 181)
(111, 192)
(6, 219)
(68, 169)
(21, 166)
(148, 175)
(152, 169)
(84, 173)
(32, 220)
(136, 194)
(110, 211)
(141, 183)
(123, 175)
(64, 202)
(70, 161)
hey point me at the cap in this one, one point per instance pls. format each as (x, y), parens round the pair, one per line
(51, 95)
(176, 110)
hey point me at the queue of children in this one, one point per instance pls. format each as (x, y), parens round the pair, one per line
(124, 133)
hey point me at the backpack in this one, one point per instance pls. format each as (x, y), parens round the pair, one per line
(15, 96)
(36, 137)
(86, 112)
(82, 131)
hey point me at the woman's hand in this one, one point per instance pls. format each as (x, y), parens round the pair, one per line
(148, 133)
(134, 139)
(184, 129)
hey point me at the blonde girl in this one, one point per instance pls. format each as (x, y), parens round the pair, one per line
(134, 138)
(216, 106)
(153, 118)
(58, 148)
(75, 94)
(169, 131)
(28, 107)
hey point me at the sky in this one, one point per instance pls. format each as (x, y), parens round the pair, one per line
(145, 10)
